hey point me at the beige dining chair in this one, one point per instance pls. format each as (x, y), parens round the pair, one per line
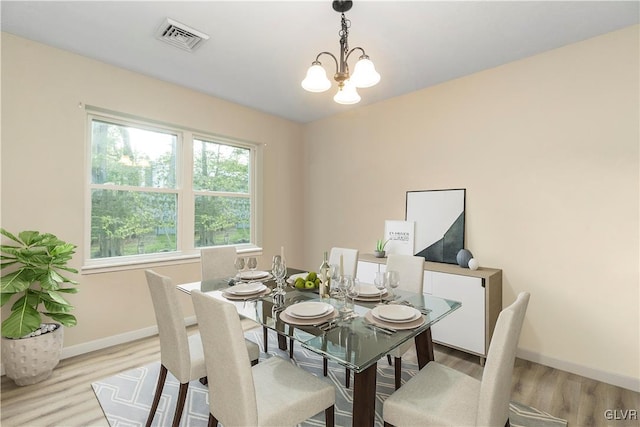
(218, 261)
(411, 273)
(180, 353)
(349, 260)
(441, 396)
(272, 393)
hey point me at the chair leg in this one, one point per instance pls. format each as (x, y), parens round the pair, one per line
(212, 421)
(507, 424)
(290, 348)
(265, 338)
(156, 398)
(389, 359)
(398, 370)
(182, 396)
(329, 416)
(325, 366)
(347, 377)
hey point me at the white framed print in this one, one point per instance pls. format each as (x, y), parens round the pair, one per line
(399, 236)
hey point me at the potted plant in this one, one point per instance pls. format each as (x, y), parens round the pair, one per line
(380, 245)
(36, 285)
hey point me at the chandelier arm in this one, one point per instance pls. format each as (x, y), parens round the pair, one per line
(331, 55)
(351, 51)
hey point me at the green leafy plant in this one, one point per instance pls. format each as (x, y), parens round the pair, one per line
(35, 264)
(380, 245)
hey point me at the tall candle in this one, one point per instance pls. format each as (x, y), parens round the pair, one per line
(341, 268)
(282, 252)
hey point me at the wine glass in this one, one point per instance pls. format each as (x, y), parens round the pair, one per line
(341, 295)
(279, 271)
(252, 263)
(380, 283)
(352, 293)
(239, 264)
(393, 280)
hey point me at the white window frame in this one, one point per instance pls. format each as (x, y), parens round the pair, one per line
(186, 251)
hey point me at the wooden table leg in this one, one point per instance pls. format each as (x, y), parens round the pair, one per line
(282, 342)
(364, 397)
(424, 348)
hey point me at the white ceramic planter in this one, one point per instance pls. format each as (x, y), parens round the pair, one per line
(31, 360)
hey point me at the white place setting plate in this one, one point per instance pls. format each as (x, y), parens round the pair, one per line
(395, 313)
(253, 275)
(309, 310)
(245, 297)
(367, 290)
(287, 318)
(247, 288)
(369, 317)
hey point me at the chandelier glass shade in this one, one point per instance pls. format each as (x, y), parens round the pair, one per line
(364, 73)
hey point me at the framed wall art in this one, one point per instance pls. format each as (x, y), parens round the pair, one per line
(439, 223)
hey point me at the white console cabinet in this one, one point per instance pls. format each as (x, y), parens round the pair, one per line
(480, 291)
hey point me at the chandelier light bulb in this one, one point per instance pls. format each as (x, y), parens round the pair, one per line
(316, 79)
(347, 94)
(364, 73)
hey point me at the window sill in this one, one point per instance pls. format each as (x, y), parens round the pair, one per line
(141, 264)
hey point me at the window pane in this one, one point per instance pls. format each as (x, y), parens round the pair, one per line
(220, 167)
(125, 155)
(132, 223)
(222, 221)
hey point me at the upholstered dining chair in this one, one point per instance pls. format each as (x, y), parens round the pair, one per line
(272, 393)
(218, 261)
(349, 260)
(441, 396)
(180, 353)
(411, 272)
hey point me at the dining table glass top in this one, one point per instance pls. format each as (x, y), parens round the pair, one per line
(354, 340)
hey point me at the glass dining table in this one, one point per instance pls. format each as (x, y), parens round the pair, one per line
(354, 341)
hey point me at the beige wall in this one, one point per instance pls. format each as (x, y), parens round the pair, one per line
(43, 173)
(547, 149)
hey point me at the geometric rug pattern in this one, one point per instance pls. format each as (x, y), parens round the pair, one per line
(126, 398)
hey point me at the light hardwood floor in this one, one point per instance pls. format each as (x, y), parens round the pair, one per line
(66, 399)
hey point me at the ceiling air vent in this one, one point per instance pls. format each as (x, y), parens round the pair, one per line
(180, 35)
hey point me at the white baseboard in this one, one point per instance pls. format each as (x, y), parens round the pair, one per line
(76, 350)
(630, 383)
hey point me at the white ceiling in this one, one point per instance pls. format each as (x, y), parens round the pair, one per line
(259, 51)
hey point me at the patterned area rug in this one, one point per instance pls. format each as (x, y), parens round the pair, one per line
(126, 398)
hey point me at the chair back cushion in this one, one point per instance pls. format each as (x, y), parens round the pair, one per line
(410, 269)
(174, 342)
(232, 394)
(218, 262)
(349, 260)
(495, 390)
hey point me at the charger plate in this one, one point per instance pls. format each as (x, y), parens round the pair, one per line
(397, 326)
(306, 322)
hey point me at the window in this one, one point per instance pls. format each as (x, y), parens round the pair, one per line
(160, 192)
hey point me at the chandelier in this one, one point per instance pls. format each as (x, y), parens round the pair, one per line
(364, 73)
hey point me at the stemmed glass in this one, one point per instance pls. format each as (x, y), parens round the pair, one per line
(380, 283)
(239, 264)
(393, 280)
(252, 263)
(352, 293)
(341, 292)
(279, 271)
